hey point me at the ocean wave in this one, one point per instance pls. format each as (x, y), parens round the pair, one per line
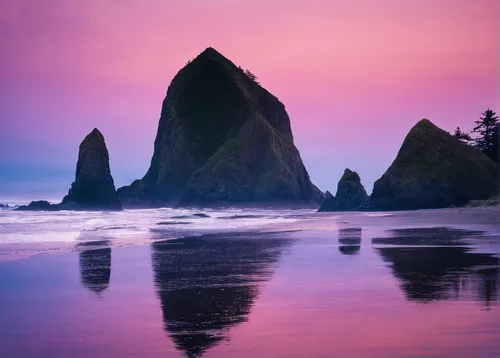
(245, 217)
(191, 216)
(174, 223)
(107, 228)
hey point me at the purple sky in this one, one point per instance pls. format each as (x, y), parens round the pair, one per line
(355, 76)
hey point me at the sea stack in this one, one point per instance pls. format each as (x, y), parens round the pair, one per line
(434, 170)
(222, 139)
(351, 195)
(329, 203)
(93, 188)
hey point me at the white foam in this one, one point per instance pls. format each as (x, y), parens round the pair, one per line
(17, 227)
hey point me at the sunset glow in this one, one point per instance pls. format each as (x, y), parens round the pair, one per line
(355, 76)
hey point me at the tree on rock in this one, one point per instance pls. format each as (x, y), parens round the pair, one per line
(462, 136)
(487, 130)
(433, 170)
(252, 76)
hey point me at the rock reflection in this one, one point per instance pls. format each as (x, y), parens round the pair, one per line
(442, 273)
(95, 265)
(349, 249)
(441, 236)
(208, 284)
(350, 241)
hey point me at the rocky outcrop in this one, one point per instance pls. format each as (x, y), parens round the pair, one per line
(222, 139)
(351, 195)
(495, 201)
(434, 170)
(93, 187)
(40, 205)
(329, 203)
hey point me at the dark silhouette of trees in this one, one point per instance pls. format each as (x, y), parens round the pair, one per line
(249, 74)
(462, 136)
(487, 131)
(485, 136)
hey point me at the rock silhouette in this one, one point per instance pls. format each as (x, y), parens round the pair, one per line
(222, 139)
(351, 195)
(329, 203)
(40, 205)
(433, 170)
(93, 187)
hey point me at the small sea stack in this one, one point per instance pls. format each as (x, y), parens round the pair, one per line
(38, 205)
(351, 195)
(329, 203)
(93, 188)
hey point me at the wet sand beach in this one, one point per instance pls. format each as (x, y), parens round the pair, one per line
(276, 284)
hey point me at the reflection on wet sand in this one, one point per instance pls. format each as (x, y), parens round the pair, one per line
(95, 265)
(208, 284)
(350, 241)
(442, 236)
(429, 273)
(349, 249)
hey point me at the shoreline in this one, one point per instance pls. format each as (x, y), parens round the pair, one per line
(156, 225)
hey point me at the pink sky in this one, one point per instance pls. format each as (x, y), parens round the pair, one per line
(355, 76)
